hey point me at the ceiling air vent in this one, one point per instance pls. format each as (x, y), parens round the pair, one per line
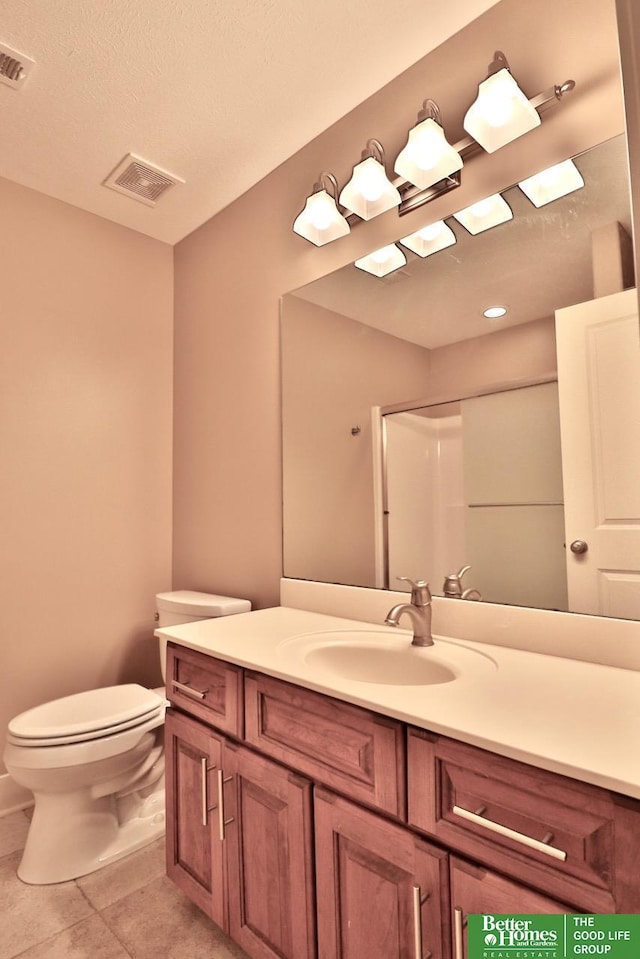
(140, 180)
(14, 67)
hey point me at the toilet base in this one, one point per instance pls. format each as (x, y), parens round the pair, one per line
(88, 833)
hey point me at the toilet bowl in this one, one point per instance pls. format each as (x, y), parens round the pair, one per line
(95, 764)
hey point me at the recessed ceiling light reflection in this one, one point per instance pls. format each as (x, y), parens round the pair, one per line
(494, 312)
(430, 239)
(484, 214)
(552, 183)
(382, 261)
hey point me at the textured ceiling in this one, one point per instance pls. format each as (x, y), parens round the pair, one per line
(216, 93)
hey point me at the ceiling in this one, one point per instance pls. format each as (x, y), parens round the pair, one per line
(534, 264)
(217, 94)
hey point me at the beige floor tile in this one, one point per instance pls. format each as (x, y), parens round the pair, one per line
(32, 914)
(89, 939)
(160, 921)
(13, 832)
(107, 885)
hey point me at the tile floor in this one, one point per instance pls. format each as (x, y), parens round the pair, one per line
(128, 910)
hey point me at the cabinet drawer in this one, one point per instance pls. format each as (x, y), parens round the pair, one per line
(348, 748)
(206, 688)
(555, 833)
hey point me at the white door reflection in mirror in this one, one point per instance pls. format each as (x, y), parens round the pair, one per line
(598, 346)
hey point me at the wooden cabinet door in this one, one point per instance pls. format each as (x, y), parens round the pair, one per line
(478, 890)
(381, 891)
(266, 822)
(195, 857)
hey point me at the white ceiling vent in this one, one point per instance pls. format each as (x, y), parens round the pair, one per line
(141, 180)
(14, 67)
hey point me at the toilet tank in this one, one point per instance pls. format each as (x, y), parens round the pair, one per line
(187, 606)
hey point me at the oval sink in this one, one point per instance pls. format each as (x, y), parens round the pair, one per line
(376, 656)
(378, 664)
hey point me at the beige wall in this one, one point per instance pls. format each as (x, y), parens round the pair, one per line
(230, 273)
(85, 427)
(336, 371)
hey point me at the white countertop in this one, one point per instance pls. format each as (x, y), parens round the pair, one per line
(571, 717)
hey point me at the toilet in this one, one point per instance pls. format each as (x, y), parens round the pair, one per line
(95, 763)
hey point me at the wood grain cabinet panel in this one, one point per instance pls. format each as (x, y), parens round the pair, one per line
(477, 890)
(381, 890)
(565, 837)
(270, 855)
(350, 749)
(207, 688)
(195, 860)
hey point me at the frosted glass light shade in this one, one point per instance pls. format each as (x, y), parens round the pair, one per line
(427, 157)
(501, 112)
(320, 222)
(382, 261)
(552, 183)
(484, 214)
(430, 239)
(369, 191)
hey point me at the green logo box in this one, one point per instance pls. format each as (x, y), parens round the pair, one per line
(570, 936)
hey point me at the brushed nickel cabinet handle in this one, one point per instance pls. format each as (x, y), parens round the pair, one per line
(537, 844)
(457, 933)
(222, 822)
(418, 902)
(205, 769)
(189, 690)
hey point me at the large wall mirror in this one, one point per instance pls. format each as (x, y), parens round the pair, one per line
(420, 437)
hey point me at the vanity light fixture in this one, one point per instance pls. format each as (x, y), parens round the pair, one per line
(552, 183)
(427, 157)
(430, 239)
(484, 214)
(320, 221)
(501, 112)
(382, 261)
(495, 312)
(370, 191)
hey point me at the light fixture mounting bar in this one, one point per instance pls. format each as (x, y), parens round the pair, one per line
(413, 197)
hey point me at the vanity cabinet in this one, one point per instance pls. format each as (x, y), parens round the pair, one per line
(311, 827)
(195, 860)
(475, 889)
(239, 840)
(569, 839)
(267, 825)
(381, 890)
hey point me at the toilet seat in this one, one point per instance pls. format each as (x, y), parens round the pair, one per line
(85, 716)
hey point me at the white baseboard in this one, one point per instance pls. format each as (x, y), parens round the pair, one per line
(13, 796)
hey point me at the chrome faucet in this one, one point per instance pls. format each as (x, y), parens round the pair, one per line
(419, 610)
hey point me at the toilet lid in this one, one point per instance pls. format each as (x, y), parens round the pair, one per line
(87, 714)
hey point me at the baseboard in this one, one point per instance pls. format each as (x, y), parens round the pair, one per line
(13, 796)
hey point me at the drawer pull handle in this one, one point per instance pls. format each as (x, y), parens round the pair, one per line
(222, 822)
(189, 690)
(418, 902)
(206, 768)
(537, 844)
(457, 933)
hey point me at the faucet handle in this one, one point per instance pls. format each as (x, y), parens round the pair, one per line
(420, 592)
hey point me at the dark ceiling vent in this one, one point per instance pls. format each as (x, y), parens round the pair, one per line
(141, 180)
(14, 67)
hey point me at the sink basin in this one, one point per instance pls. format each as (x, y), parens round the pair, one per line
(377, 656)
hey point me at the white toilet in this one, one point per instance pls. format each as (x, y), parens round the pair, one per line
(95, 763)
